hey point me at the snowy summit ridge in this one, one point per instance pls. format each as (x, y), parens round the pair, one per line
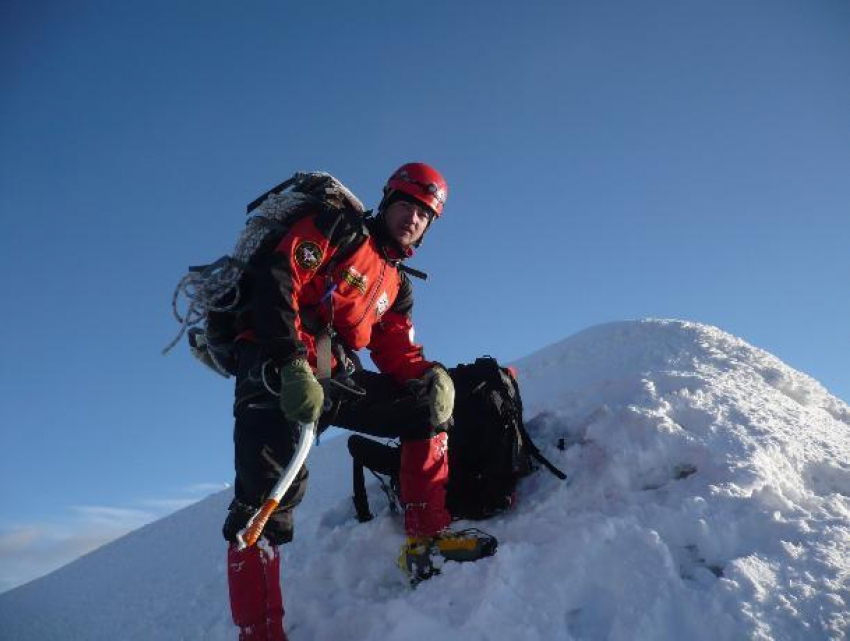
(711, 480)
(708, 498)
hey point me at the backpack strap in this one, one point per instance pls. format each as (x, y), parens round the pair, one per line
(326, 335)
(535, 452)
(360, 498)
(274, 190)
(379, 459)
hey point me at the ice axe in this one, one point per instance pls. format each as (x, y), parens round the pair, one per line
(254, 528)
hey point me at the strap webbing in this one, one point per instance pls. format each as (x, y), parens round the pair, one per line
(323, 365)
(532, 448)
(323, 355)
(360, 498)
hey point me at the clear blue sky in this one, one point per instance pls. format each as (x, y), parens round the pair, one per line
(606, 161)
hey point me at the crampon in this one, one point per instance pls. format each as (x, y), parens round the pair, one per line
(422, 557)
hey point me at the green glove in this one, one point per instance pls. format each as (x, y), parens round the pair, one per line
(301, 395)
(441, 394)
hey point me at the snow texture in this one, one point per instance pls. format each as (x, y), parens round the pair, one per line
(708, 499)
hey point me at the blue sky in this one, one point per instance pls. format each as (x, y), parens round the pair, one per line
(606, 161)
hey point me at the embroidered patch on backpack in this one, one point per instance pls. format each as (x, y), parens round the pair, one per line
(308, 254)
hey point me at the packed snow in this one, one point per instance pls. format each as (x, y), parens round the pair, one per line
(708, 498)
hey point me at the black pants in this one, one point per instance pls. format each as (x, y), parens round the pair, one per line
(264, 441)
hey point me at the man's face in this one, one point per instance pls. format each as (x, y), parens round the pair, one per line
(406, 222)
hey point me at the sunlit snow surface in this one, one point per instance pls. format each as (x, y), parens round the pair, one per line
(709, 498)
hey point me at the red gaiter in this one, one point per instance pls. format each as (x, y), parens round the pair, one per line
(256, 602)
(423, 477)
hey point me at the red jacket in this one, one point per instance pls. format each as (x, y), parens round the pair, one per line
(371, 299)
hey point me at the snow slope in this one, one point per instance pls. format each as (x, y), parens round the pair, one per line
(709, 498)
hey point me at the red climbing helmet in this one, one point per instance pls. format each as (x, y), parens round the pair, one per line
(422, 182)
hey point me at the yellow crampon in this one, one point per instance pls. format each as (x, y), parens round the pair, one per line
(422, 557)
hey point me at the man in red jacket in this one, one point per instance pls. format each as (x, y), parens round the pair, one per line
(341, 276)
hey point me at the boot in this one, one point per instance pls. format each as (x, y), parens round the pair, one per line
(422, 557)
(256, 602)
(423, 475)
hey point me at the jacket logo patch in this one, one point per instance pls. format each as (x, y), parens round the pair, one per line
(308, 254)
(354, 278)
(383, 304)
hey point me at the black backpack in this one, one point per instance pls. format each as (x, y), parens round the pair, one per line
(489, 447)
